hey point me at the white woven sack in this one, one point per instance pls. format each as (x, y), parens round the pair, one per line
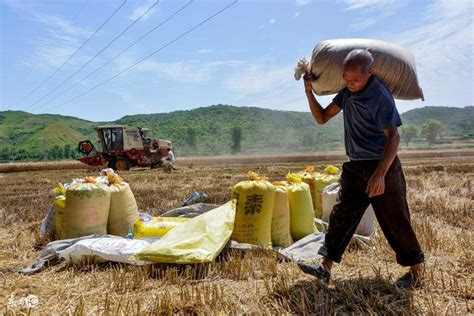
(393, 65)
(331, 198)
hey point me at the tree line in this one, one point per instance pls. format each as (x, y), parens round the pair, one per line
(56, 152)
(431, 130)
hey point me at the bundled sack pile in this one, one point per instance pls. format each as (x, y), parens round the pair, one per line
(317, 181)
(393, 65)
(280, 213)
(272, 214)
(94, 205)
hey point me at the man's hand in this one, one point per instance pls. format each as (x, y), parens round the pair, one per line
(376, 185)
(307, 82)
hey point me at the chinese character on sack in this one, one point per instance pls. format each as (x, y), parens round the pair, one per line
(253, 204)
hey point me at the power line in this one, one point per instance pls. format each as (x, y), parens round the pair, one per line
(73, 54)
(93, 57)
(119, 54)
(148, 56)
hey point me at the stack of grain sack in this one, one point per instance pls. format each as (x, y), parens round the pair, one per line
(94, 205)
(279, 213)
(317, 181)
(272, 214)
(325, 192)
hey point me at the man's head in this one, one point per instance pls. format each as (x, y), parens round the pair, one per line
(357, 69)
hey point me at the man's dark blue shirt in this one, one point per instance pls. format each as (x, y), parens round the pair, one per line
(366, 114)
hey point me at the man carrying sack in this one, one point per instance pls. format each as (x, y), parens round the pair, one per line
(373, 173)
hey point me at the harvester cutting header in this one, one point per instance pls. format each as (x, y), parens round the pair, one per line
(124, 147)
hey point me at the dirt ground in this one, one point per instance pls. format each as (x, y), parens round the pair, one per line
(440, 194)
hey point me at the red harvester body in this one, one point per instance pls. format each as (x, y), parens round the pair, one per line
(124, 147)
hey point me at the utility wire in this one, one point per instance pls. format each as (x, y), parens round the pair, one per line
(148, 56)
(93, 57)
(70, 57)
(119, 54)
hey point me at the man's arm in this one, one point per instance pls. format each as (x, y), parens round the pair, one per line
(320, 114)
(376, 184)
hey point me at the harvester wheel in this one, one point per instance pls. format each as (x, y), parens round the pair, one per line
(119, 163)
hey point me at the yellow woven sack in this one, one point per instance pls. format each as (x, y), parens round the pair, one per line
(331, 174)
(301, 208)
(86, 211)
(253, 219)
(307, 176)
(281, 234)
(123, 209)
(156, 226)
(59, 205)
(199, 240)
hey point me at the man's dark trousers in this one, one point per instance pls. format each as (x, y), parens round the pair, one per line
(391, 210)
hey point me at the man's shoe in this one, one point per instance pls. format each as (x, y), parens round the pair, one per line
(409, 282)
(315, 270)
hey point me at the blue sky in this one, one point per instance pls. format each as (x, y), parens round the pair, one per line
(245, 56)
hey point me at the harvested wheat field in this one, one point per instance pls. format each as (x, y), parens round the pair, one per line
(440, 193)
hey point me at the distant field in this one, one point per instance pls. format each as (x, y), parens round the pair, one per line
(440, 194)
(237, 159)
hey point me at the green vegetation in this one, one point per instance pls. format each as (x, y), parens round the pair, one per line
(25, 136)
(458, 121)
(236, 139)
(432, 130)
(408, 133)
(214, 130)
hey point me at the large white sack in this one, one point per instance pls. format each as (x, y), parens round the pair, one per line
(106, 248)
(331, 198)
(393, 65)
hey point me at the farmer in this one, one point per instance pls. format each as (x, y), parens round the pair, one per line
(373, 173)
(171, 158)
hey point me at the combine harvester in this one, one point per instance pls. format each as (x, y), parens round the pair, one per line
(124, 147)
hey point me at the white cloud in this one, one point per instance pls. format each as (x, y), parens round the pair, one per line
(443, 48)
(362, 24)
(60, 40)
(259, 78)
(302, 2)
(367, 4)
(142, 9)
(130, 100)
(205, 51)
(185, 72)
(371, 11)
(272, 21)
(297, 14)
(265, 85)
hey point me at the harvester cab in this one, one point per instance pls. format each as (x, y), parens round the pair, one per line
(124, 147)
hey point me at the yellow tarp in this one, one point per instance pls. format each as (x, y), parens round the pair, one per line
(199, 240)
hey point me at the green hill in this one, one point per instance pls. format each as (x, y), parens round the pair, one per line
(202, 131)
(263, 130)
(458, 121)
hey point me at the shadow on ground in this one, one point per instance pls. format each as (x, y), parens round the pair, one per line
(355, 296)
